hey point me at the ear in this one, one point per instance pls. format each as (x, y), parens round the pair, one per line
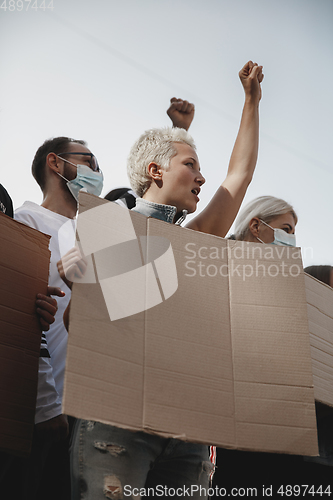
(254, 226)
(52, 162)
(155, 171)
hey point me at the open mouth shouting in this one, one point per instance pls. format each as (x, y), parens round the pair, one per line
(196, 191)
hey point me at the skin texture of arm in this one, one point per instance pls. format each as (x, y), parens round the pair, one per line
(220, 213)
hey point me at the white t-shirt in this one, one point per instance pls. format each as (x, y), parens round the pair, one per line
(48, 222)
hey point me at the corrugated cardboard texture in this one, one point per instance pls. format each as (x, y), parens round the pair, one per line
(24, 268)
(320, 313)
(225, 360)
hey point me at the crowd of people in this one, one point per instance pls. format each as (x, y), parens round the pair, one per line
(166, 179)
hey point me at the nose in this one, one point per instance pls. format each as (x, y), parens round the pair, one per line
(200, 179)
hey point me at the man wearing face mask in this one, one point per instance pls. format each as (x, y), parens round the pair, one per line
(62, 166)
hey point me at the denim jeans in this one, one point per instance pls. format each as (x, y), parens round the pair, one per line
(109, 462)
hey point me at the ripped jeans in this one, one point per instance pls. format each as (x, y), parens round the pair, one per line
(114, 463)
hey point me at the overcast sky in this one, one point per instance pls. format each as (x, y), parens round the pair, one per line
(104, 71)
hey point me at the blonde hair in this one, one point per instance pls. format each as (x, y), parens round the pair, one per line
(157, 146)
(265, 208)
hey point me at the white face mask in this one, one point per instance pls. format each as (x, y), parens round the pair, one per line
(86, 179)
(281, 237)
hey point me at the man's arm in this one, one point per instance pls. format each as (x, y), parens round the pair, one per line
(220, 213)
(50, 423)
(181, 113)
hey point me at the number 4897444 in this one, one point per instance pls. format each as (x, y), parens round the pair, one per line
(19, 5)
(302, 490)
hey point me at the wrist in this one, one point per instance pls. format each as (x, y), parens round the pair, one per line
(251, 101)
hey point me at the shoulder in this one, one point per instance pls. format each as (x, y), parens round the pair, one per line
(28, 207)
(32, 210)
(29, 213)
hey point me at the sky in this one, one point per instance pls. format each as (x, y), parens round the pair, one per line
(104, 71)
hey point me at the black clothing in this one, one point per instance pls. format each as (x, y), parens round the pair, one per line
(6, 205)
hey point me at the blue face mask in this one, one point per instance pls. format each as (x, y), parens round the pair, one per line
(281, 237)
(86, 179)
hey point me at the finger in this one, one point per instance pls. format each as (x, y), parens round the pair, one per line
(246, 69)
(72, 254)
(45, 318)
(260, 74)
(184, 106)
(47, 298)
(82, 266)
(255, 71)
(69, 261)
(54, 290)
(72, 250)
(78, 274)
(74, 273)
(44, 324)
(71, 258)
(190, 108)
(44, 305)
(80, 269)
(178, 105)
(172, 107)
(248, 66)
(75, 269)
(173, 99)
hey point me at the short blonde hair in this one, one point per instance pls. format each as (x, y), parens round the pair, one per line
(265, 208)
(157, 146)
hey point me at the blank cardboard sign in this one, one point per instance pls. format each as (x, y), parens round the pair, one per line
(24, 269)
(320, 313)
(221, 357)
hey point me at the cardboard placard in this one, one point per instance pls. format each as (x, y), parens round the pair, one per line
(24, 268)
(188, 335)
(320, 313)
